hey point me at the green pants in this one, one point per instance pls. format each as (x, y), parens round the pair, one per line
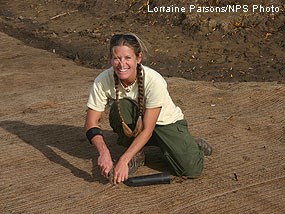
(176, 143)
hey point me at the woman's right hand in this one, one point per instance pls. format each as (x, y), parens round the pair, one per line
(104, 160)
(105, 163)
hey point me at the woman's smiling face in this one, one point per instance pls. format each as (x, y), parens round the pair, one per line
(124, 62)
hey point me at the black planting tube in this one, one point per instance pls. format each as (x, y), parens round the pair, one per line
(145, 180)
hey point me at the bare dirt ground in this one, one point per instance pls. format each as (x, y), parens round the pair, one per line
(46, 164)
(233, 46)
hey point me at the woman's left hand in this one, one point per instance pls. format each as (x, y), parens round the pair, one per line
(121, 172)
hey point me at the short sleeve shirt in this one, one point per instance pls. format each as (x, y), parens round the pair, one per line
(155, 94)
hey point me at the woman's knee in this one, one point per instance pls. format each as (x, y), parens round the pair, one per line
(187, 165)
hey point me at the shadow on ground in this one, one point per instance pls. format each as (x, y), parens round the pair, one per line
(71, 140)
(67, 139)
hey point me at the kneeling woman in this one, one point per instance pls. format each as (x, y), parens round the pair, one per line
(143, 113)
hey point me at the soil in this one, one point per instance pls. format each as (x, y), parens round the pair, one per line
(236, 46)
(231, 92)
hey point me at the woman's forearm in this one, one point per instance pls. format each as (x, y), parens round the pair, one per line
(138, 143)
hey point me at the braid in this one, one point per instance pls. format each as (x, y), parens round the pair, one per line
(141, 89)
(126, 129)
(139, 125)
(117, 96)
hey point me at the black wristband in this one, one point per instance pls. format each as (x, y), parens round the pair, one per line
(92, 132)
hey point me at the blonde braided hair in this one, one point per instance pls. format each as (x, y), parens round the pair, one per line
(137, 45)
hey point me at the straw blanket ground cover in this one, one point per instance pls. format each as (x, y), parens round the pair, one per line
(47, 166)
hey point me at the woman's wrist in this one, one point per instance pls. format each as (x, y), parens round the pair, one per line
(125, 158)
(100, 145)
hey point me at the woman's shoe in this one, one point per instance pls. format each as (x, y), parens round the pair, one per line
(204, 145)
(137, 161)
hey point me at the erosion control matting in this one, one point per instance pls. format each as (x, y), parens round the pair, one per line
(47, 166)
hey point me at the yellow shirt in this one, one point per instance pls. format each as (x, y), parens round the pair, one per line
(155, 94)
